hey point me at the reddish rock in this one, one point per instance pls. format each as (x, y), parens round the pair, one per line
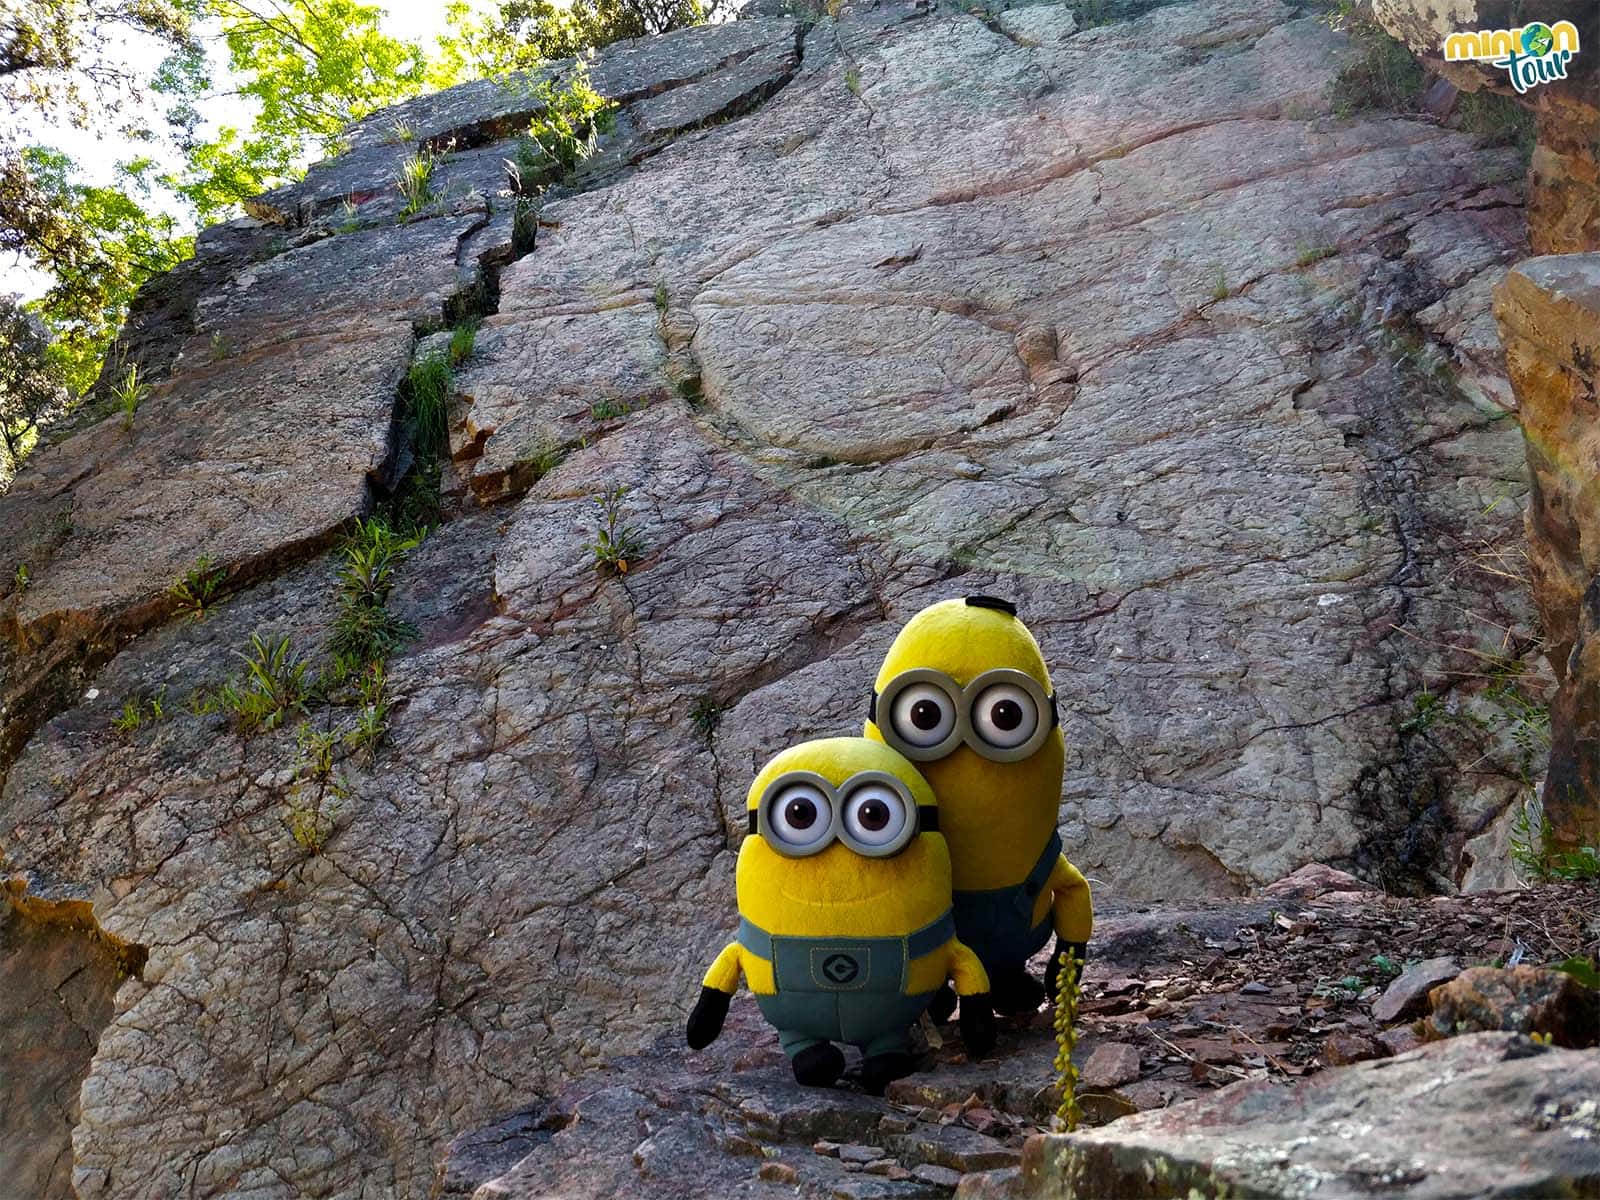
(1313, 880)
(1112, 1064)
(1343, 1048)
(1518, 1000)
(777, 1172)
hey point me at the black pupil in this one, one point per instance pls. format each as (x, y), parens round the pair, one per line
(1006, 714)
(800, 814)
(925, 714)
(874, 816)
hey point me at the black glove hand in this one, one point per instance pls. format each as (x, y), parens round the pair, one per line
(1052, 973)
(977, 1024)
(705, 1022)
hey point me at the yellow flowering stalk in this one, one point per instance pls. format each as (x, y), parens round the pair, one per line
(1066, 1019)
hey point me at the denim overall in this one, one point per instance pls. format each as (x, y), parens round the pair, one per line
(998, 923)
(844, 989)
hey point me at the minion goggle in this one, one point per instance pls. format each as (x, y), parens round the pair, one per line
(800, 814)
(1001, 714)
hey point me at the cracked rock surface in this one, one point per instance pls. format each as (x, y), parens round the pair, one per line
(1116, 321)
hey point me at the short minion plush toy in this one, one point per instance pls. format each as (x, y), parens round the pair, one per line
(964, 694)
(845, 929)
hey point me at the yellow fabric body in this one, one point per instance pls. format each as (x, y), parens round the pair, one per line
(997, 817)
(839, 893)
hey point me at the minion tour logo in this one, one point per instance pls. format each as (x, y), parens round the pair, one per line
(1531, 54)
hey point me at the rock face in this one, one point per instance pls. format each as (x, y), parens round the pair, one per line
(1564, 176)
(1549, 314)
(1405, 1126)
(1114, 321)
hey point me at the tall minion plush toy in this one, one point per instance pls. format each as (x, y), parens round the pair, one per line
(845, 929)
(964, 694)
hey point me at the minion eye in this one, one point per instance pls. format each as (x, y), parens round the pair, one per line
(1005, 716)
(799, 815)
(923, 715)
(875, 815)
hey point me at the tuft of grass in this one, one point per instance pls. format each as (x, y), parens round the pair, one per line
(429, 386)
(1533, 850)
(1308, 253)
(614, 544)
(196, 591)
(131, 718)
(660, 298)
(222, 346)
(610, 408)
(415, 182)
(1385, 75)
(130, 392)
(20, 578)
(273, 686)
(852, 80)
(399, 130)
(1498, 119)
(705, 714)
(463, 338)
(1219, 285)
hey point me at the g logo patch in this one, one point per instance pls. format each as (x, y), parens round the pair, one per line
(840, 968)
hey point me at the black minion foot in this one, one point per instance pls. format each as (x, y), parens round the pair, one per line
(943, 1005)
(1014, 991)
(819, 1065)
(880, 1070)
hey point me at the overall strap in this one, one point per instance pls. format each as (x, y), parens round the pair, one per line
(931, 936)
(754, 938)
(1040, 875)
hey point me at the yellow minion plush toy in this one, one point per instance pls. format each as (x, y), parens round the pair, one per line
(965, 695)
(845, 929)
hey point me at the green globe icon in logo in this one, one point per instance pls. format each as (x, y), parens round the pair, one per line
(1537, 39)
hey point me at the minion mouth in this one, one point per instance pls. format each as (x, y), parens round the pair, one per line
(811, 902)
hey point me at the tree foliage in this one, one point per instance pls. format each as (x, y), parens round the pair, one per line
(310, 68)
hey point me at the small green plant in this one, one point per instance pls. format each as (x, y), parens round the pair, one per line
(136, 713)
(399, 130)
(660, 298)
(1498, 119)
(222, 346)
(131, 719)
(852, 80)
(372, 722)
(272, 687)
(20, 579)
(130, 392)
(610, 408)
(614, 544)
(1309, 253)
(1219, 285)
(195, 592)
(462, 340)
(415, 182)
(1532, 848)
(317, 793)
(1425, 710)
(564, 135)
(366, 631)
(429, 385)
(705, 714)
(1384, 76)
(1384, 965)
(1068, 1113)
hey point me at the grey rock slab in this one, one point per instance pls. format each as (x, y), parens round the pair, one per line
(1488, 1115)
(952, 1146)
(1407, 995)
(1110, 1065)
